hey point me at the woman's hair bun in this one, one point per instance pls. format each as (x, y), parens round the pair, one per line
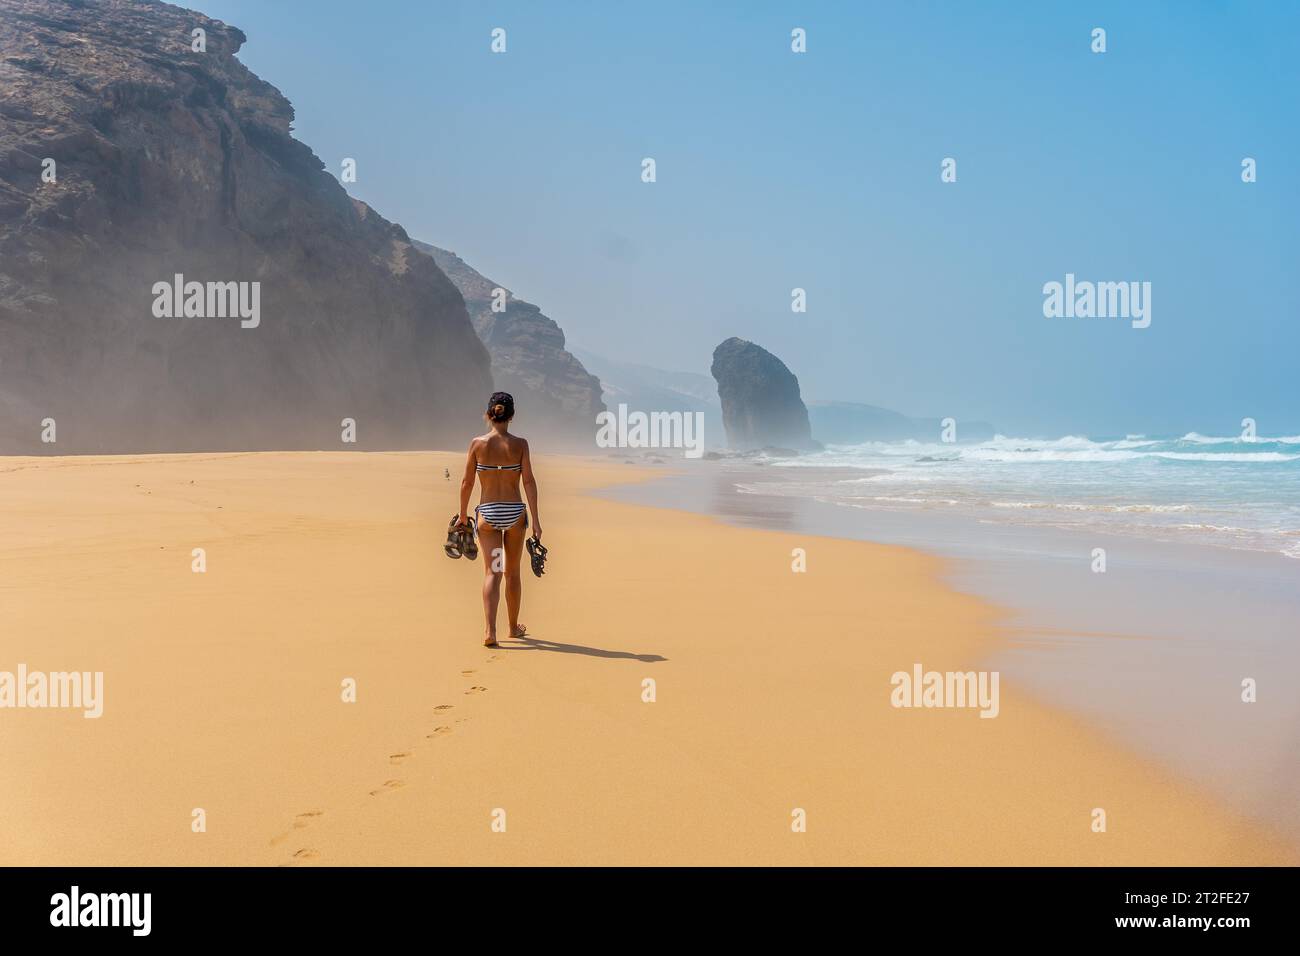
(501, 407)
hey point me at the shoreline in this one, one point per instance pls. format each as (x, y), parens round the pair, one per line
(222, 689)
(1164, 680)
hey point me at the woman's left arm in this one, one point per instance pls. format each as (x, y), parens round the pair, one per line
(530, 491)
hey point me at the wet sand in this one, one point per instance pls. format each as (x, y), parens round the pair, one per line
(1152, 651)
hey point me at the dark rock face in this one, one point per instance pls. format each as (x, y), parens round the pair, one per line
(173, 161)
(554, 395)
(761, 406)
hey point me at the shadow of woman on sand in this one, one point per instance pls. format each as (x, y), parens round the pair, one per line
(530, 643)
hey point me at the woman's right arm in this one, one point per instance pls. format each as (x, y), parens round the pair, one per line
(530, 491)
(467, 486)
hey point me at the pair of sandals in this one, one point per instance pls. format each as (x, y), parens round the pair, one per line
(461, 540)
(461, 543)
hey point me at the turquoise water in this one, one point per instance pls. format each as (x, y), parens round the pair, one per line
(1229, 492)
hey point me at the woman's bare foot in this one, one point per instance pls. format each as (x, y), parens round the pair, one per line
(518, 630)
(490, 641)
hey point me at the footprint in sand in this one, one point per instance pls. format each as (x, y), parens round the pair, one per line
(441, 707)
(301, 821)
(465, 673)
(398, 758)
(476, 690)
(388, 787)
(438, 732)
(306, 854)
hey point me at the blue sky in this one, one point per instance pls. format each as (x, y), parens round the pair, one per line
(821, 170)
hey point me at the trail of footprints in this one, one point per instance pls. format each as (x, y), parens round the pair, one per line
(304, 819)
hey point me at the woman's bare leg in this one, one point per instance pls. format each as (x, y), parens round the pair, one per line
(514, 583)
(489, 543)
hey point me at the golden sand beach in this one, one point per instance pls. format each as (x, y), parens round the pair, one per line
(223, 690)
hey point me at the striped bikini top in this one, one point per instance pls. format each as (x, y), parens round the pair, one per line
(518, 467)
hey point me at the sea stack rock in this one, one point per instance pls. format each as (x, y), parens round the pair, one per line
(761, 405)
(138, 155)
(555, 397)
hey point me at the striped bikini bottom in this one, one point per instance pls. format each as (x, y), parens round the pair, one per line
(502, 515)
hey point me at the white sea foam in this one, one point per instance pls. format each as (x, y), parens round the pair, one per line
(1199, 439)
(1260, 456)
(1224, 490)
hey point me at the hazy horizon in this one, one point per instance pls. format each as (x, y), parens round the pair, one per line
(321, 551)
(821, 170)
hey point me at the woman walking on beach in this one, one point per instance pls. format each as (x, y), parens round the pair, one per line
(501, 462)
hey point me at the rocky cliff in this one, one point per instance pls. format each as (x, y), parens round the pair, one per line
(555, 396)
(128, 158)
(761, 404)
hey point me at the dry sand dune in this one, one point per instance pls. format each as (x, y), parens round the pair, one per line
(223, 689)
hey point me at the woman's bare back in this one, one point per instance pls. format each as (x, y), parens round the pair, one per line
(495, 449)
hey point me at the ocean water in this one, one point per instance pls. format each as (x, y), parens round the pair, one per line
(1227, 492)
